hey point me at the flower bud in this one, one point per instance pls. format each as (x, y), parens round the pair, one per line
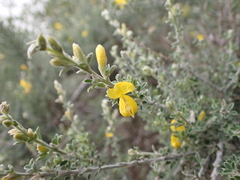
(30, 133)
(7, 123)
(54, 44)
(42, 43)
(101, 59)
(170, 106)
(131, 152)
(3, 118)
(78, 53)
(42, 149)
(4, 108)
(61, 62)
(201, 116)
(20, 137)
(147, 70)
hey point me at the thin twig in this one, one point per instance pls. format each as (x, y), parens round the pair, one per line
(217, 161)
(104, 167)
(204, 167)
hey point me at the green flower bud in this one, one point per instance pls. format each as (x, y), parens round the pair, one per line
(61, 62)
(20, 137)
(170, 106)
(7, 123)
(54, 44)
(42, 42)
(147, 70)
(4, 108)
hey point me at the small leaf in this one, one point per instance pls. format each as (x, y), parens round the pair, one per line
(63, 71)
(89, 57)
(63, 163)
(88, 81)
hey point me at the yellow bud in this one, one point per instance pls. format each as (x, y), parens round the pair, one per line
(101, 59)
(201, 116)
(42, 149)
(78, 53)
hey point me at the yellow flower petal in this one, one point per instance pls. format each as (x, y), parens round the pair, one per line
(124, 87)
(112, 94)
(127, 106)
(174, 128)
(175, 141)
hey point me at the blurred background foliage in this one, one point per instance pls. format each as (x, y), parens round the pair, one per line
(74, 21)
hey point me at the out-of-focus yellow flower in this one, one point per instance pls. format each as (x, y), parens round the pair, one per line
(174, 128)
(58, 26)
(2, 56)
(127, 106)
(201, 116)
(185, 10)
(101, 58)
(108, 134)
(23, 67)
(175, 141)
(200, 37)
(68, 114)
(84, 33)
(121, 3)
(197, 35)
(26, 85)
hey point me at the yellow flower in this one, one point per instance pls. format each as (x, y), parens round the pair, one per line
(84, 34)
(179, 128)
(121, 3)
(201, 116)
(108, 134)
(175, 141)
(200, 37)
(101, 58)
(58, 26)
(127, 106)
(24, 67)
(26, 85)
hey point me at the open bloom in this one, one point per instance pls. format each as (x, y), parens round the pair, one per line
(175, 141)
(127, 106)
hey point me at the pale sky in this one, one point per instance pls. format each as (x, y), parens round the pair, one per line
(11, 7)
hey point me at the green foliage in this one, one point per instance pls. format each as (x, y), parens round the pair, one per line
(183, 61)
